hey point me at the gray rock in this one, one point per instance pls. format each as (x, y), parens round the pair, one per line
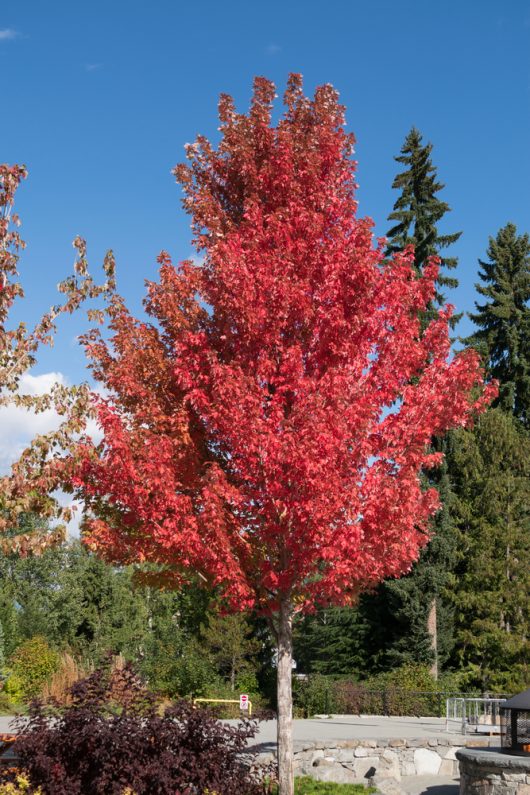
(365, 767)
(448, 768)
(323, 762)
(408, 769)
(386, 786)
(427, 762)
(335, 773)
(389, 763)
(346, 755)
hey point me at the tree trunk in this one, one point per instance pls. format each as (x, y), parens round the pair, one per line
(432, 629)
(285, 699)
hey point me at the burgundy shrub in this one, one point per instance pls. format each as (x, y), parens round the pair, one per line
(97, 746)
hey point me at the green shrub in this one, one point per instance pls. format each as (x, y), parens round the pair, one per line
(409, 690)
(314, 695)
(6, 704)
(31, 665)
(14, 689)
(183, 671)
(408, 677)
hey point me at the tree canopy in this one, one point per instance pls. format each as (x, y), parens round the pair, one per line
(417, 214)
(266, 428)
(503, 320)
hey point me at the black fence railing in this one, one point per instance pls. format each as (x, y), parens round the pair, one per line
(314, 696)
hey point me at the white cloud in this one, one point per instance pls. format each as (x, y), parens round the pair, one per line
(40, 384)
(18, 427)
(92, 67)
(73, 527)
(273, 49)
(8, 33)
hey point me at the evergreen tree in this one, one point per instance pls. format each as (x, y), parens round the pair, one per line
(344, 640)
(421, 621)
(390, 626)
(503, 320)
(173, 659)
(230, 643)
(490, 587)
(2, 646)
(417, 213)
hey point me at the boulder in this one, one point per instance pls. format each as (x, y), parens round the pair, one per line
(427, 762)
(335, 773)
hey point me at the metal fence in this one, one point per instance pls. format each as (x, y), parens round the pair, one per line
(316, 695)
(470, 715)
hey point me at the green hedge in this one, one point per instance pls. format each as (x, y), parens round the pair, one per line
(409, 690)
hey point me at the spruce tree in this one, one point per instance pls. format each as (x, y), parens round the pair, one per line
(503, 320)
(490, 465)
(417, 213)
(344, 640)
(421, 620)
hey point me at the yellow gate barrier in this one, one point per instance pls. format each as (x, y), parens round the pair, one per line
(224, 701)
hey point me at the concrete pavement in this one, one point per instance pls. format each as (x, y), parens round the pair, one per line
(429, 785)
(339, 727)
(355, 727)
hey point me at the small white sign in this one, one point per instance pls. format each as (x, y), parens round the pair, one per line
(243, 701)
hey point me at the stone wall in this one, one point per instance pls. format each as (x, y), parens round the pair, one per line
(486, 771)
(377, 761)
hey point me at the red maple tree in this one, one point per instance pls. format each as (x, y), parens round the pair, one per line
(266, 429)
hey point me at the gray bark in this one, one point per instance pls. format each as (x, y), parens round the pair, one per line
(432, 629)
(285, 699)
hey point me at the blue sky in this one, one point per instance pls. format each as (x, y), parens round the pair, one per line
(100, 97)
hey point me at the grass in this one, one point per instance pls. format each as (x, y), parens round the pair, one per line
(310, 786)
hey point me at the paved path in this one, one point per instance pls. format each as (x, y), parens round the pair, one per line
(6, 722)
(354, 727)
(341, 727)
(429, 785)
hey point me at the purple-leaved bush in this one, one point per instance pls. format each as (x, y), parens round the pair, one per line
(114, 736)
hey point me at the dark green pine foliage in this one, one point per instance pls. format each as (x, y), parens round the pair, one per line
(417, 213)
(503, 320)
(344, 640)
(490, 464)
(412, 598)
